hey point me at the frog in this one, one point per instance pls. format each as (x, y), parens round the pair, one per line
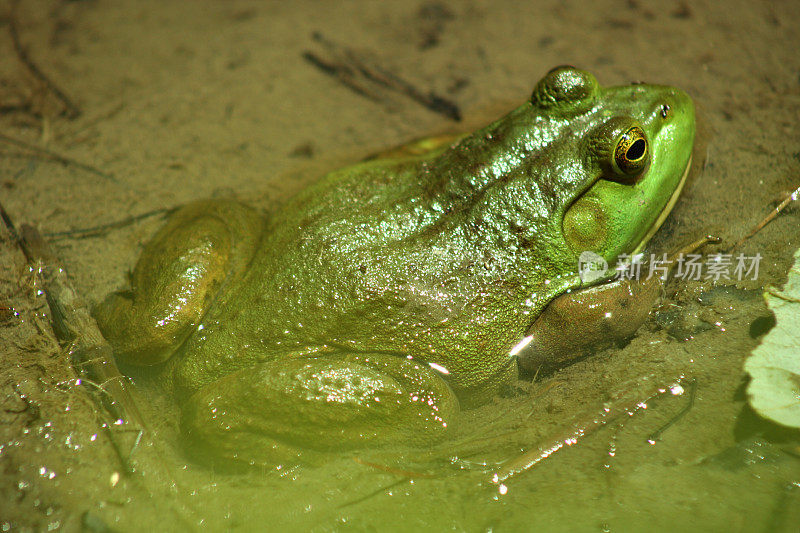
(374, 306)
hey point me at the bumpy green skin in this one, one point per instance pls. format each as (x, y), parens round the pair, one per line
(372, 302)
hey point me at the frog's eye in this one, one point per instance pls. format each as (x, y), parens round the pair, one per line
(630, 154)
(620, 148)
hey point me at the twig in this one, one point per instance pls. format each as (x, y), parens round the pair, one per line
(374, 493)
(431, 100)
(343, 74)
(770, 217)
(350, 69)
(9, 108)
(610, 413)
(90, 354)
(686, 408)
(103, 228)
(58, 158)
(71, 110)
(73, 138)
(72, 323)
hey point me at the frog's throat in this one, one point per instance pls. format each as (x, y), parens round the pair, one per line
(666, 211)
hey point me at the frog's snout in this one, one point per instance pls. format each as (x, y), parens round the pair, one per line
(672, 127)
(676, 107)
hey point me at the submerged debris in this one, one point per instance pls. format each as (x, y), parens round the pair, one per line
(370, 80)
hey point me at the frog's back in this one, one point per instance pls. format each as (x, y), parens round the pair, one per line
(329, 253)
(378, 257)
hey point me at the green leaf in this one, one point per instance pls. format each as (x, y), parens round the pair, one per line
(774, 366)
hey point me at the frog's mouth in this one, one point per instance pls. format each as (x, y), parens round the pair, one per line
(664, 212)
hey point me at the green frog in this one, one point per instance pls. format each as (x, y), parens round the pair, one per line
(377, 303)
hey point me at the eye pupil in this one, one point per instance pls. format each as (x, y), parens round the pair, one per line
(630, 154)
(636, 150)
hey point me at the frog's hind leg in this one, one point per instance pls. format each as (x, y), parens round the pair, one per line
(297, 405)
(202, 248)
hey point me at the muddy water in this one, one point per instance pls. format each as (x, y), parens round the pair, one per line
(215, 100)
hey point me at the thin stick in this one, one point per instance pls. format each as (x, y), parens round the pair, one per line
(345, 75)
(102, 228)
(71, 110)
(58, 158)
(770, 217)
(350, 69)
(374, 493)
(610, 413)
(90, 354)
(9, 223)
(686, 408)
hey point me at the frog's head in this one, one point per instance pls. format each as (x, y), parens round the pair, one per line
(635, 146)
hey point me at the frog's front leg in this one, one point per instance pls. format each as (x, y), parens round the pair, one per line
(583, 321)
(202, 247)
(578, 323)
(266, 413)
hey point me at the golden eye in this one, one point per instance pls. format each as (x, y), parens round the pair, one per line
(630, 155)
